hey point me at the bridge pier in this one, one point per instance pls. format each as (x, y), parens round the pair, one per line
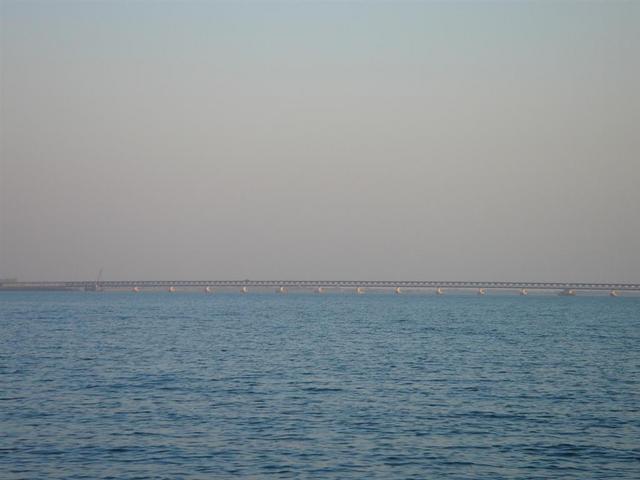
(567, 292)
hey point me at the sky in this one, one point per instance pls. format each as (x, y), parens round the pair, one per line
(418, 141)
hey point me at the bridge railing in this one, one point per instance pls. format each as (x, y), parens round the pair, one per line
(329, 284)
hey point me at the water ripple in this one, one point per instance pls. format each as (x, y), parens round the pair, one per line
(323, 386)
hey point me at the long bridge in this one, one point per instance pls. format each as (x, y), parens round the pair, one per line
(567, 288)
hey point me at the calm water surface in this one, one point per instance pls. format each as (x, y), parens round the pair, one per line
(318, 386)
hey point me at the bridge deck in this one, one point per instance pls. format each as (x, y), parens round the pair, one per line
(323, 283)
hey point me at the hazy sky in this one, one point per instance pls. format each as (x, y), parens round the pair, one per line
(479, 141)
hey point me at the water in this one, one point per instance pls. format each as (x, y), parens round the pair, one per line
(318, 386)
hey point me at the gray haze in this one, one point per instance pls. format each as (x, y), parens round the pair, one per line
(366, 141)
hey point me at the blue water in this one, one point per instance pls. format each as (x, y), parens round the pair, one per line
(187, 385)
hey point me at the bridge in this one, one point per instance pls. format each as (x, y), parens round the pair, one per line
(567, 288)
